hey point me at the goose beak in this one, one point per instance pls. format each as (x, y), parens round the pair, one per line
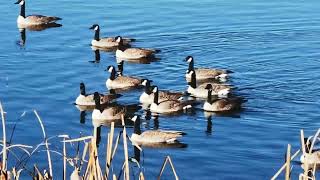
(91, 27)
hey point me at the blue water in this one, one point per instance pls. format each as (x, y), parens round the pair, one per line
(272, 46)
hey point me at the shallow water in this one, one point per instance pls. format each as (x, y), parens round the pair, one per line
(273, 48)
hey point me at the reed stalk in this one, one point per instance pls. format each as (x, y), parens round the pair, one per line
(168, 159)
(125, 147)
(46, 143)
(288, 159)
(4, 149)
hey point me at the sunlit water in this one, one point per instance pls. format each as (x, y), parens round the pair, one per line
(273, 48)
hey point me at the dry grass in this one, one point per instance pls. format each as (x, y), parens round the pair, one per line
(85, 166)
(311, 158)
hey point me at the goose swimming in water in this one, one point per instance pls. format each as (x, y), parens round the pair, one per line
(106, 42)
(85, 99)
(206, 73)
(221, 105)
(168, 106)
(153, 136)
(147, 96)
(199, 91)
(132, 53)
(32, 20)
(120, 82)
(111, 111)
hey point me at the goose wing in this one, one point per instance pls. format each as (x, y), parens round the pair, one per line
(169, 95)
(128, 80)
(40, 19)
(107, 39)
(161, 136)
(209, 72)
(138, 51)
(108, 97)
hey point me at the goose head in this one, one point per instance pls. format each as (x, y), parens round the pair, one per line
(112, 72)
(209, 98)
(136, 120)
(146, 82)
(82, 89)
(110, 69)
(208, 87)
(189, 59)
(20, 2)
(193, 82)
(118, 39)
(95, 27)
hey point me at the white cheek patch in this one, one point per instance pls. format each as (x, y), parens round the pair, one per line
(118, 39)
(96, 28)
(110, 69)
(21, 3)
(144, 82)
(190, 59)
(134, 118)
(155, 90)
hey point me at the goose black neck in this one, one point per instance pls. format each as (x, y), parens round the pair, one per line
(209, 98)
(113, 74)
(191, 65)
(82, 90)
(147, 88)
(156, 97)
(137, 129)
(120, 68)
(193, 82)
(121, 46)
(97, 102)
(23, 10)
(96, 34)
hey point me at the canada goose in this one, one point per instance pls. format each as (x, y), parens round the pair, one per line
(106, 42)
(221, 105)
(206, 73)
(120, 82)
(111, 111)
(25, 21)
(167, 106)
(220, 90)
(147, 96)
(88, 99)
(132, 53)
(153, 136)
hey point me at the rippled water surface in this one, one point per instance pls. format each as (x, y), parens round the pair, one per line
(272, 46)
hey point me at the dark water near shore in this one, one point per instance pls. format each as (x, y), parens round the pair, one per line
(273, 48)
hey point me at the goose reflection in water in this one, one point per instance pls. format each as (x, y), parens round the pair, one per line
(22, 31)
(97, 56)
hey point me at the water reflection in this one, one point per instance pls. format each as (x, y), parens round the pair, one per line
(97, 56)
(208, 116)
(22, 30)
(139, 61)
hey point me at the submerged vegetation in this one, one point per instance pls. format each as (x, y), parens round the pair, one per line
(85, 164)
